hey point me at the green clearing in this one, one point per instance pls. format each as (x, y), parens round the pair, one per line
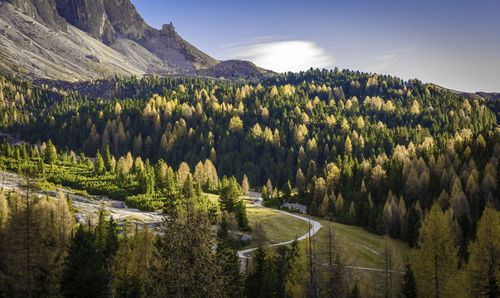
(278, 227)
(362, 246)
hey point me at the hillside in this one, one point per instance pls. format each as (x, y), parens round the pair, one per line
(404, 159)
(81, 40)
(487, 95)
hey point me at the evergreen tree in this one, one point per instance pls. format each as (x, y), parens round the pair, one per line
(255, 283)
(85, 274)
(264, 194)
(228, 261)
(99, 167)
(50, 155)
(287, 189)
(229, 195)
(108, 158)
(409, 287)
(240, 213)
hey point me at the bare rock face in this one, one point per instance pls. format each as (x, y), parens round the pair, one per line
(165, 43)
(89, 16)
(43, 11)
(107, 20)
(126, 20)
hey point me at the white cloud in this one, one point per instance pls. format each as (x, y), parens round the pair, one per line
(282, 56)
(386, 57)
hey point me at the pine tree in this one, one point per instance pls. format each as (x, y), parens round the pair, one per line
(300, 181)
(287, 189)
(348, 146)
(183, 172)
(50, 155)
(255, 283)
(228, 261)
(409, 287)
(264, 193)
(229, 195)
(413, 226)
(240, 213)
(99, 168)
(283, 263)
(85, 274)
(200, 176)
(108, 160)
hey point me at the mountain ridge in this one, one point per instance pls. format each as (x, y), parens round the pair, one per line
(89, 39)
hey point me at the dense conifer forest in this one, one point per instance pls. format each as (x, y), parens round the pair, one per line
(398, 158)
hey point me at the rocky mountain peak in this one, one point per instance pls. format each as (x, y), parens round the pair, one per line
(98, 38)
(167, 28)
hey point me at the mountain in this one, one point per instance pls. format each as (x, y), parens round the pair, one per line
(72, 40)
(487, 95)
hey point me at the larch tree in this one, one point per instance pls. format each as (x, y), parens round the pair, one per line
(4, 210)
(483, 270)
(131, 263)
(348, 146)
(436, 259)
(245, 185)
(183, 172)
(186, 264)
(200, 175)
(300, 181)
(269, 187)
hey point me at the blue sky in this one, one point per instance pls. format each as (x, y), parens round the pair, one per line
(455, 44)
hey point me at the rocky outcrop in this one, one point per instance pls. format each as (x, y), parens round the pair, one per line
(108, 20)
(89, 16)
(126, 20)
(234, 69)
(44, 11)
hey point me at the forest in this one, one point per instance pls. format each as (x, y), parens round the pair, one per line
(398, 158)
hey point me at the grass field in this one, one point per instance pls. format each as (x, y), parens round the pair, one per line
(363, 249)
(279, 227)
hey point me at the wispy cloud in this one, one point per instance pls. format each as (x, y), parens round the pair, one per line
(282, 56)
(393, 54)
(386, 57)
(383, 62)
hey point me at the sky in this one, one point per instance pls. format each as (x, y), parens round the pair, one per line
(453, 43)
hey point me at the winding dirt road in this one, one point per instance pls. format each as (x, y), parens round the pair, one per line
(314, 226)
